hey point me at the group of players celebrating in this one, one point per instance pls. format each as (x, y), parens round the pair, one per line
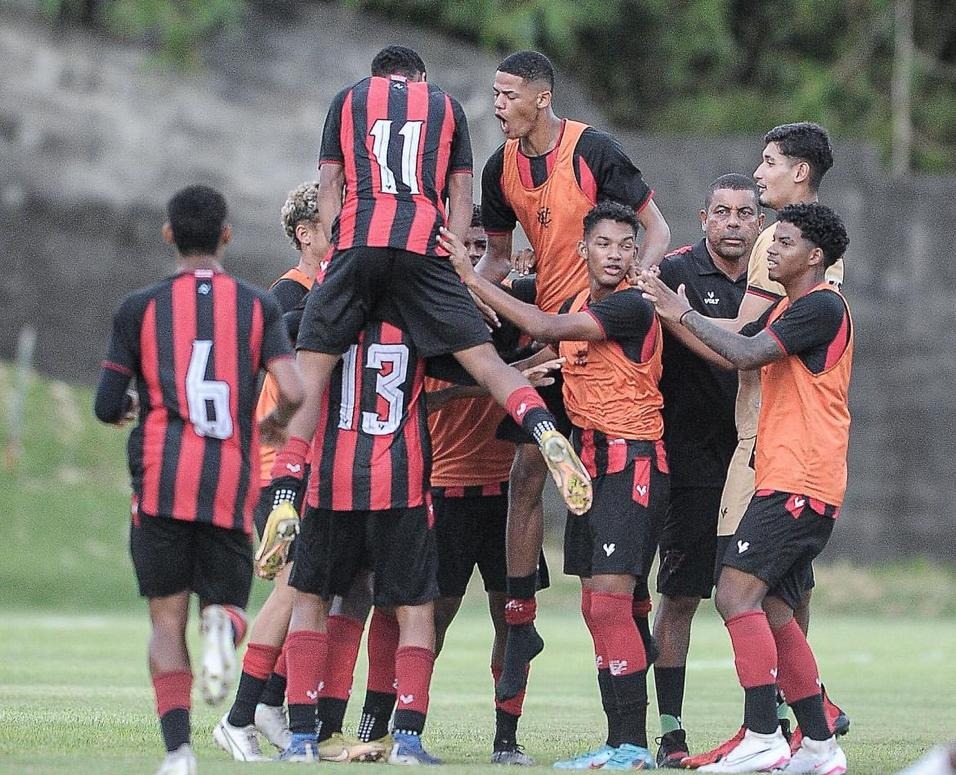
(694, 401)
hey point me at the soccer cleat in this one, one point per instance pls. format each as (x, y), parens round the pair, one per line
(182, 761)
(936, 761)
(838, 720)
(715, 754)
(823, 757)
(239, 742)
(567, 470)
(511, 753)
(408, 749)
(301, 748)
(754, 753)
(272, 723)
(333, 749)
(630, 757)
(281, 528)
(378, 750)
(218, 654)
(672, 749)
(591, 760)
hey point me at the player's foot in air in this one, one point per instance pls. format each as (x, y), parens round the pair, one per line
(567, 470)
(523, 644)
(182, 761)
(241, 743)
(940, 760)
(271, 722)
(591, 760)
(754, 752)
(302, 748)
(511, 752)
(218, 654)
(672, 749)
(822, 757)
(408, 749)
(282, 526)
(630, 757)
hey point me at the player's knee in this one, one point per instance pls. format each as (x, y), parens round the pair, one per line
(608, 610)
(677, 609)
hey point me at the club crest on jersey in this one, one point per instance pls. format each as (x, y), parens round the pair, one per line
(544, 216)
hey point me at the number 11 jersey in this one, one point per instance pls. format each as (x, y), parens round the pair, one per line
(398, 141)
(195, 343)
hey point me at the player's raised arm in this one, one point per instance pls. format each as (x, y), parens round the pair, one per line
(657, 235)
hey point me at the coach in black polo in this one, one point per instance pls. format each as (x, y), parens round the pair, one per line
(700, 435)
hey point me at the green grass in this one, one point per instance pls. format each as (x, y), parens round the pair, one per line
(75, 697)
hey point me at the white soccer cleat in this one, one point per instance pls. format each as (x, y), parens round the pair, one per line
(182, 761)
(272, 723)
(754, 753)
(218, 654)
(822, 757)
(936, 761)
(239, 742)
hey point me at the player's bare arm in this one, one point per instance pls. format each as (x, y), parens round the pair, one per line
(657, 235)
(744, 352)
(459, 202)
(288, 380)
(538, 374)
(540, 325)
(496, 263)
(331, 186)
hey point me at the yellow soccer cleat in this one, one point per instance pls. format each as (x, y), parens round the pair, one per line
(567, 470)
(281, 528)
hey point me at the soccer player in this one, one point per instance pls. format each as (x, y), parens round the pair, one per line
(700, 437)
(194, 343)
(611, 342)
(260, 695)
(548, 174)
(393, 147)
(803, 346)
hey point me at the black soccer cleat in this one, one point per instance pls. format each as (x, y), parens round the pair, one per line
(672, 749)
(523, 645)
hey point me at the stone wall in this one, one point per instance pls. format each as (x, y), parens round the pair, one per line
(94, 137)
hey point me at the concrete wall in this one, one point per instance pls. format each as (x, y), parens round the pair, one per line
(94, 138)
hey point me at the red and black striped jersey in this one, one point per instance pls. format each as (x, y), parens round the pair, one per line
(371, 450)
(398, 142)
(195, 343)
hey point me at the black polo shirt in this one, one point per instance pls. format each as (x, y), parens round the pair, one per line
(699, 428)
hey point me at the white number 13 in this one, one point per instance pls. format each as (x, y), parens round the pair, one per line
(411, 133)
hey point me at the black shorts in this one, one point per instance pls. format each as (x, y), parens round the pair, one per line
(398, 546)
(172, 555)
(689, 542)
(509, 430)
(470, 532)
(422, 295)
(619, 534)
(778, 544)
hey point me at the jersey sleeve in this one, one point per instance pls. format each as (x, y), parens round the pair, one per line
(461, 159)
(758, 325)
(623, 315)
(288, 293)
(122, 353)
(331, 150)
(601, 158)
(275, 340)
(496, 214)
(811, 322)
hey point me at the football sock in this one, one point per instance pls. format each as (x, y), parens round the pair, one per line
(528, 410)
(755, 657)
(345, 636)
(375, 715)
(506, 730)
(305, 656)
(173, 702)
(799, 680)
(239, 621)
(329, 713)
(380, 689)
(609, 704)
(523, 645)
(631, 692)
(413, 676)
(669, 682)
(512, 706)
(256, 668)
(812, 718)
(640, 610)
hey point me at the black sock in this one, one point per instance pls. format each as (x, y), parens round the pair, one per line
(506, 730)
(631, 693)
(522, 587)
(651, 649)
(760, 709)
(670, 690)
(330, 713)
(376, 713)
(812, 718)
(523, 645)
(243, 710)
(273, 693)
(609, 703)
(302, 718)
(409, 721)
(536, 421)
(175, 726)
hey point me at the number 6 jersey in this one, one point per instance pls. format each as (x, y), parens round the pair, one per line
(195, 343)
(398, 141)
(371, 450)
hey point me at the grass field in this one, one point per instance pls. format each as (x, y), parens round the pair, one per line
(75, 696)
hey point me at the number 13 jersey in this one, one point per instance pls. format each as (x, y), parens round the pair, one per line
(398, 141)
(195, 343)
(371, 449)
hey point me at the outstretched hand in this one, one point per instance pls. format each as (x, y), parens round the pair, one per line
(523, 261)
(457, 253)
(669, 305)
(540, 375)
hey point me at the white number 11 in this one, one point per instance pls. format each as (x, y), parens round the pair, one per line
(411, 133)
